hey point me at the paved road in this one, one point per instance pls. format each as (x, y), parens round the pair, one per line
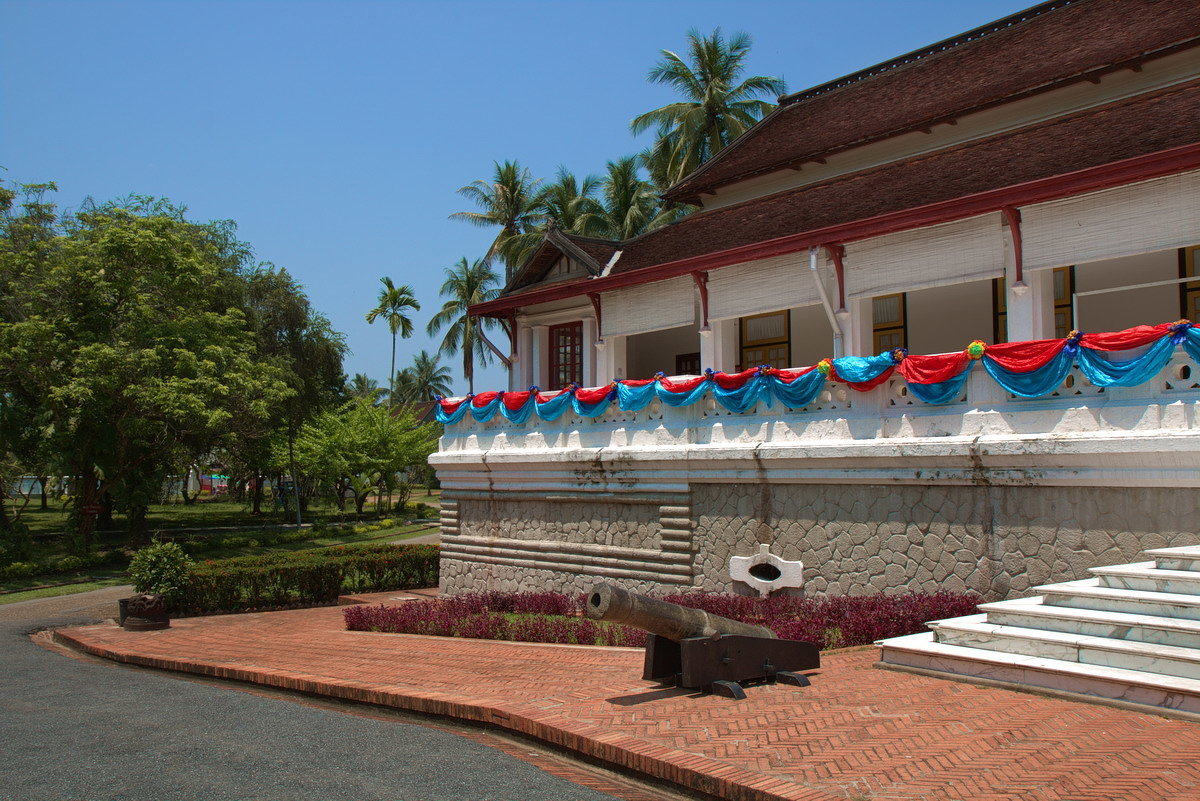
(72, 729)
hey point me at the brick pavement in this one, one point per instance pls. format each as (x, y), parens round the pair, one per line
(857, 732)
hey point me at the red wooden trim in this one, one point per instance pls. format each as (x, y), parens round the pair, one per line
(1013, 215)
(1092, 179)
(836, 254)
(594, 297)
(701, 279)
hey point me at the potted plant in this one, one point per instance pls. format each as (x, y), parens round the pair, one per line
(159, 573)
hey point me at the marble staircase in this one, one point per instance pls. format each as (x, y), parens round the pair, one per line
(1131, 633)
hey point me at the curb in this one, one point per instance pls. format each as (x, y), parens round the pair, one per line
(688, 771)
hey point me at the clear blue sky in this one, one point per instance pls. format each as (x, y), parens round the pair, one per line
(337, 133)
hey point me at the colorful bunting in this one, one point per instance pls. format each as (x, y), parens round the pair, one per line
(1028, 369)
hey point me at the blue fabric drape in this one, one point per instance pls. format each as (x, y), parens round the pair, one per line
(553, 408)
(681, 398)
(1191, 342)
(861, 369)
(455, 416)
(591, 409)
(486, 412)
(1104, 372)
(1039, 382)
(634, 399)
(521, 415)
(745, 397)
(942, 391)
(800, 392)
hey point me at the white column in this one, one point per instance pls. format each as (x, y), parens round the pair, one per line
(1030, 308)
(615, 364)
(857, 323)
(719, 345)
(525, 361)
(589, 352)
(540, 356)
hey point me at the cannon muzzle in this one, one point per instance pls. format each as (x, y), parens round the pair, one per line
(612, 604)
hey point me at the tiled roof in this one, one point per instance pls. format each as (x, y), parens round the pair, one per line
(1142, 125)
(1028, 52)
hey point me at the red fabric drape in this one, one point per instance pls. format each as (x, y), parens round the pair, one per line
(734, 380)
(687, 385)
(483, 399)
(637, 382)
(449, 406)
(542, 397)
(515, 400)
(1024, 357)
(592, 395)
(933, 369)
(862, 386)
(1134, 337)
(788, 376)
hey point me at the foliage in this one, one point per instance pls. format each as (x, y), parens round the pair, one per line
(569, 203)
(716, 108)
(628, 206)
(362, 448)
(511, 200)
(161, 567)
(362, 386)
(394, 304)
(126, 334)
(424, 381)
(465, 285)
(306, 577)
(835, 622)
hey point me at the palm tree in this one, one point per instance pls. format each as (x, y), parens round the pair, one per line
(423, 381)
(363, 387)
(467, 284)
(511, 200)
(567, 203)
(394, 301)
(716, 108)
(628, 206)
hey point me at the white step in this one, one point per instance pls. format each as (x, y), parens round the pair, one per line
(1186, 557)
(1152, 689)
(1148, 576)
(1088, 594)
(1169, 660)
(1031, 613)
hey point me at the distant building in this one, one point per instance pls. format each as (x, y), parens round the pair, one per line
(1033, 177)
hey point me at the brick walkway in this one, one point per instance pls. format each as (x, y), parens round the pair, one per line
(857, 732)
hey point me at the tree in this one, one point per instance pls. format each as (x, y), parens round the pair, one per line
(465, 285)
(362, 386)
(361, 448)
(568, 203)
(394, 302)
(715, 109)
(628, 206)
(423, 381)
(124, 326)
(513, 201)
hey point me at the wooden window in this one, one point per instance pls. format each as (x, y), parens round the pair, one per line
(1189, 292)
(687, 364)
(765, 340)
(889, 323)
(999, 310)
(566, 355)
(1064, 291)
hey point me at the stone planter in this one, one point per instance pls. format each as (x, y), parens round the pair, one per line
(144, 613)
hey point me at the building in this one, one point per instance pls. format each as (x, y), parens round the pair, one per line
(1028, 179)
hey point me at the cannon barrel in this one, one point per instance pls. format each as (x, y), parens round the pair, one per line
(612, 604)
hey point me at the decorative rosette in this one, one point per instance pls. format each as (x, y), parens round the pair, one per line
(976, 349)
(825, 366)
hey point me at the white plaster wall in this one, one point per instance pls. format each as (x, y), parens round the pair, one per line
(812, 336)
(1117, 310)
(946, 318)
(646, 354)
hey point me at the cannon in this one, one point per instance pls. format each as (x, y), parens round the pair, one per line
(695, 649)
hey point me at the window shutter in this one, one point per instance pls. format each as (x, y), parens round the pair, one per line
(648, 307)
(774, 284)
(937, 255)
(1160, 214)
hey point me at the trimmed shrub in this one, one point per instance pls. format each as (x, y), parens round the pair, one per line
(306, 578)
(161, 567)
(836, 622)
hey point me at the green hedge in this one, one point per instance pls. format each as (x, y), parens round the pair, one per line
(306, 578)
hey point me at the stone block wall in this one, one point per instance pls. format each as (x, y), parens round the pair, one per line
(998, 541)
